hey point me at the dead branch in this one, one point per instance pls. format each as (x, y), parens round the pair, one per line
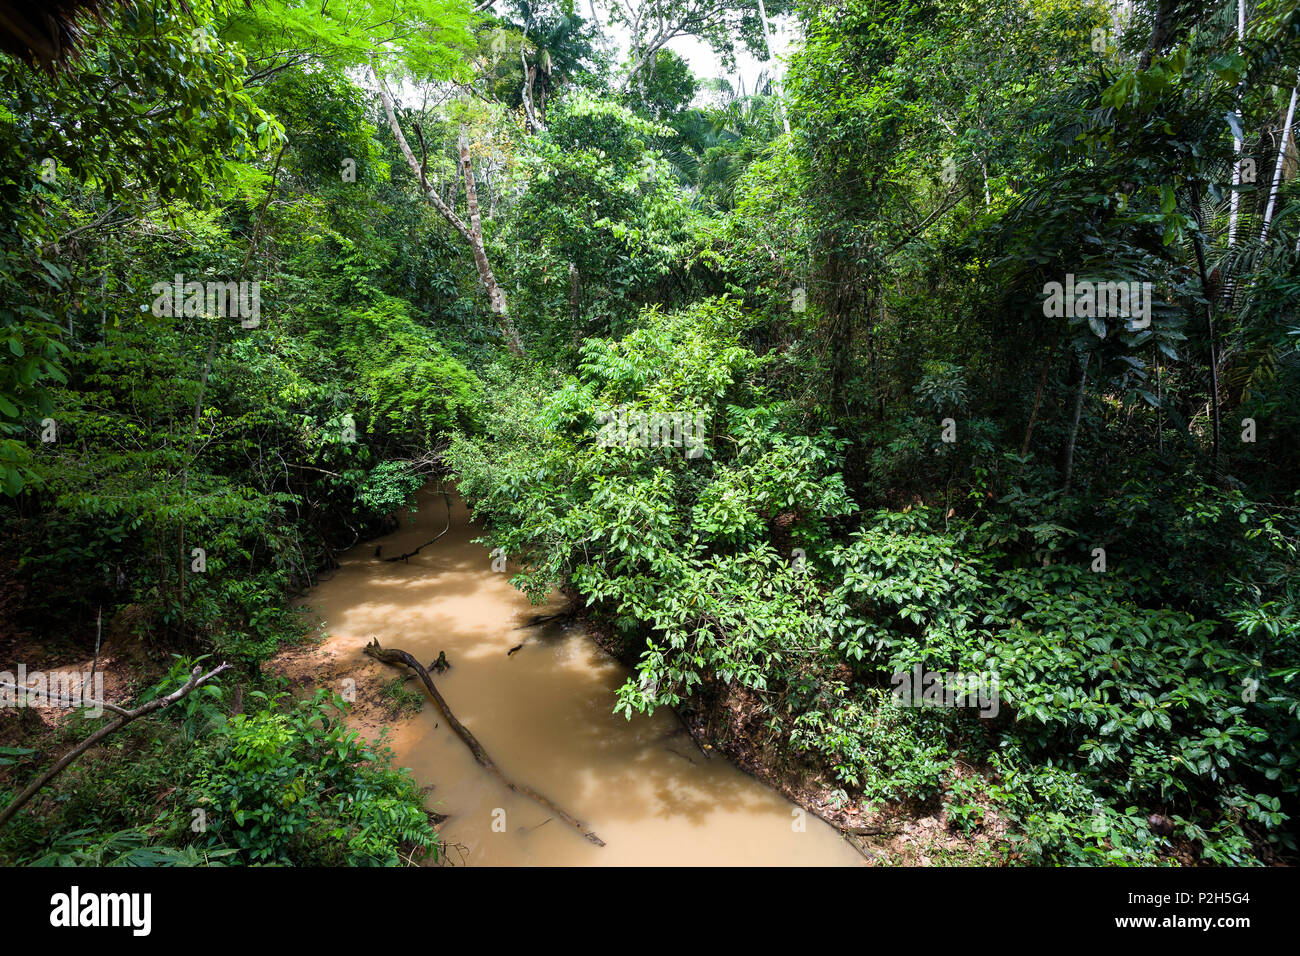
(394, 656)
(411, 554)
(197, 680)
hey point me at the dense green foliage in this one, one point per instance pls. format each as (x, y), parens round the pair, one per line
(286, 784)
(890, 453)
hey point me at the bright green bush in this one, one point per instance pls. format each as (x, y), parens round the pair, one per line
(297, 786)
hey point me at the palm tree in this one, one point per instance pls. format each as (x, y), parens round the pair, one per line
(555, 47)
(718, 144)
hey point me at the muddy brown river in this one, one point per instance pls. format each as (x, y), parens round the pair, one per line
(545, 716)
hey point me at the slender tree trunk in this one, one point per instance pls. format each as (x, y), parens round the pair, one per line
(780, 85)
(1160, 403)
(1237, 141)
(472, 231)
(495, 294)
(1199, 246)
(1074, 424)
(1281, 156)
(535, 124)
(575, 295)
(873, 352)
(595, 19)
(455, 186)
(1162, 30)
(1038, 400)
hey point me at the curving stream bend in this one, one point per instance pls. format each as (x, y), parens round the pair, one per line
(545, 715)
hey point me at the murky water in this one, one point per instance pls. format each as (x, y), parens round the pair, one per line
(544, 714)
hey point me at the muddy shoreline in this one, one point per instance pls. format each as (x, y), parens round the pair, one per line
(912, 833)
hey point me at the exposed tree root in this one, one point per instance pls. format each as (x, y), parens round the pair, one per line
(394, 656)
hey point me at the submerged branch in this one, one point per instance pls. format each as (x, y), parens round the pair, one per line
(394, 656)
(411, 554)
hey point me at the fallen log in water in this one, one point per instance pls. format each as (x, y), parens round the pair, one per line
(394, 656)
(539, 619)
(411, 554)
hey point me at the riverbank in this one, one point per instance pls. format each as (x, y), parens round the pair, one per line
(914, 833)
(540, 700)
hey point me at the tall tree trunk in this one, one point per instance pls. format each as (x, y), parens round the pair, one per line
(845, 301)
(472, 231)
(1281, 157)
(575, 295)
(595, 20)
(1198, 245)
(531, 115)
(1160, 404)
(1074, 424)
(1237, 141)
(495, 293)
(1038, 400)
(1162, 31)
(780, 85)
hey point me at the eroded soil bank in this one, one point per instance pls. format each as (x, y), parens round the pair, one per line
(544, 713)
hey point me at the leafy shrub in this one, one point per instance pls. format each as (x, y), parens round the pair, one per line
(298, 786)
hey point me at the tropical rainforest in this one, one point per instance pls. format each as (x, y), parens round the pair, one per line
(965, 342)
